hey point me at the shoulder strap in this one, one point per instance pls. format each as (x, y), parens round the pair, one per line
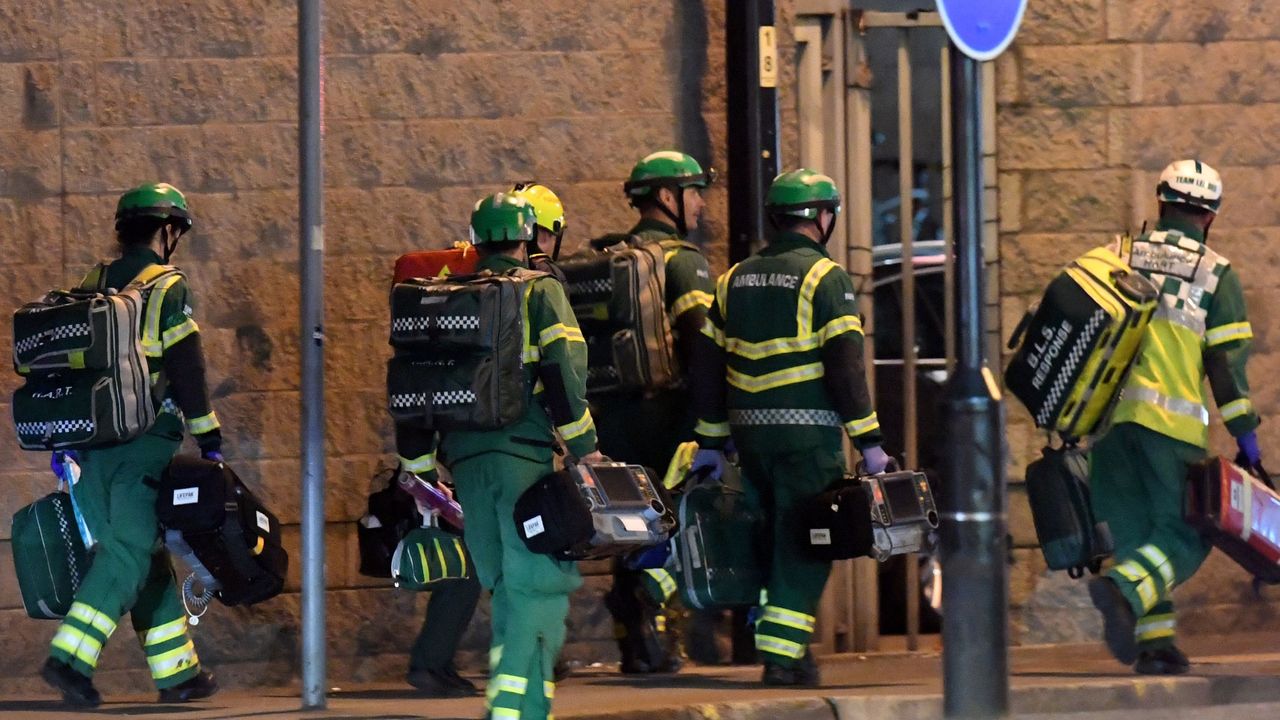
(152, 274)
(525, 274)
(95, 279)
(612, 239)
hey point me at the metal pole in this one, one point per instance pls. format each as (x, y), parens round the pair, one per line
(975, 661)
(906, 228)
(752, 69)
(311, 322)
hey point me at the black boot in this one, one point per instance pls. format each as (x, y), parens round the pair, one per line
(437, 684)
(199, 687)
(1162, 661)
(77, 690)
(463, 684)
(803, 674)
(1118, 621)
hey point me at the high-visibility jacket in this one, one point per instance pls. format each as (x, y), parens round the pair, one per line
(1200, 329)
(786, 333)
(552, 342)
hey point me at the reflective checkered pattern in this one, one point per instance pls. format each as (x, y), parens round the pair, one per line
(408, 400)
(55, 427)
(453, 397)
(62, 332)
(591, 287)
(1066, 373)
(784, 416)
(444, 322)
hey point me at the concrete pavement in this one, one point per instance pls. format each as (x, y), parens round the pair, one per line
(1232, 676)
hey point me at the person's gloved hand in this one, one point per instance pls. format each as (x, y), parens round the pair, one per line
(212, 455)
(1250, 453)
(875, 460)
(710, 460)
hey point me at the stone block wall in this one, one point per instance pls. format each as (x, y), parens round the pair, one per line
(1095, 97)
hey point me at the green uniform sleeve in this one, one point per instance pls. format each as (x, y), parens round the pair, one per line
(562, 354)
(707, 373)
(183, 361)
(688, 295)
(839, 330)
(1228, 339)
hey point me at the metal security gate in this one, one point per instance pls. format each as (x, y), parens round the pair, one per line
(871, 100)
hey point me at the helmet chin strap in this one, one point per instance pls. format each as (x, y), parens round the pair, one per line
(166, 233)
(825, 233)
(678, 216)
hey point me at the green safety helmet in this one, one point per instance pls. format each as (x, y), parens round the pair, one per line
(503, 218)
(156, 200)
(1191, 182)
(670, 169)
(803, 193)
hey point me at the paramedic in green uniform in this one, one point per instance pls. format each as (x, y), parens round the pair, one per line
(645, 427)
(779, 366)
(492, 469)
(116, 493)
(1160, 425)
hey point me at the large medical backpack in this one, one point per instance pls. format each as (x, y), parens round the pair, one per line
(87, 380)
(221, 530)
(1058, 492)
(49, 556)
(619, 298)
(1075, 349)
(459, 351)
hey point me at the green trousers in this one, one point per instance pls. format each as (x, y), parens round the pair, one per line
(129, 572)
(530, 591)
(1137, 480)
(449, 612)
(778, 477)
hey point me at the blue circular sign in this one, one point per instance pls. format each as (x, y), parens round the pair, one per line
(982, 29)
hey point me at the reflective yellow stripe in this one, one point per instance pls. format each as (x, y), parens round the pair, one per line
(151, 335)
(710, 429)
(1235, 409)
(664, 580)
(510, 684)
(91, 280)
(259, 547)
(578, 427)
(444, 567)
(804, 312)
(789, 618)
(78, 644)
(549, 690)
(93, 617)
(1156, 557)
(776, 379)
(769, 348)
(862, 426)
(504, 714)
(203, 424)
(559, 331)
(690, 300)
(175, 334)
(1228, 333)
(1156, 626)
(531, 352)
(779, 646)
(1144, 585)
(422, 560)
(722, 290)
(839, 326)
(710, 330)
(426, 463)
(495, 657)
(173, 662)
(165, 632)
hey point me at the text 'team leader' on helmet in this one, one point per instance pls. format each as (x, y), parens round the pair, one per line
(547, 208)
(503, 218)
(804, 194)
(156, 200)
(1191, 182)
(670, 169)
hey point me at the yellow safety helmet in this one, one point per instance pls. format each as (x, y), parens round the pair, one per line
(546, 206)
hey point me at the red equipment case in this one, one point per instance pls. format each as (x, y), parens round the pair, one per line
(460, 259)
(1238, 513)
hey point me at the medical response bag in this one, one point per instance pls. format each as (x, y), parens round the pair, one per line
(1058, 493)
(429, 555)
(719, 560)
(87, 379)
(459, 351)
(880, 516)
(49, 556)
(1074, 351)
(619, 298)
(594, 510)
(221, 530)
(1238, 512)
(461, 259)
(390, 515)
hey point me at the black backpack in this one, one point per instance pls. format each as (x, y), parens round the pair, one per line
(1058, 491)
(391, 514)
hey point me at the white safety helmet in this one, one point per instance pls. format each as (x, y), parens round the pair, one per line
(1191, 182)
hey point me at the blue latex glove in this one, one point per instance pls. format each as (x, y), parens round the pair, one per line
(58, 460)
(713, 460)
(875, 460)
(1249, 450)
(214, 455)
